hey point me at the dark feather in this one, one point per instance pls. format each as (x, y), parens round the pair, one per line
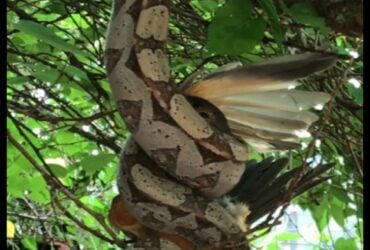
(264, 185)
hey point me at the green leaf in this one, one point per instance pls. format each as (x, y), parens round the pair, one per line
(286, 236)
(305, 13)
(208, 5)
(337, 211)
(360, 114)
(345, 244)
(57, 8)
(95, 203)
(47, 17)
(75, 72)
(233, 31)
(329, 147)
(44, 73)
(360, 229)
(18, 80)
(17, 184)
(269, 7)
(58, 170)
(272, 246)
(42, 197)
(90, 221)
(339, 194)
(63, 137)
(356, 93)
(93, 163)
(360, 211)
(20, 164)
(109, 175)
(38, 183)
(44, 34)
(349, 212)
(320, 214)
(29, 243)
(38, 189)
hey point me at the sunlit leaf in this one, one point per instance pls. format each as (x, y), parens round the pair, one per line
(10, 229)
(305, 13)
(29, 243)
(269, 7)
(208, 5)
(357, 94)
(58, 170)
(46, 35)
(93, 163)
(233, 30)
(345, 244)
(320, 214)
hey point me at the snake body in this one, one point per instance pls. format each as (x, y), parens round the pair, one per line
(169, 137)
(162, 121)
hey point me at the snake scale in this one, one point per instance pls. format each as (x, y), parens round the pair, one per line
(176, 164)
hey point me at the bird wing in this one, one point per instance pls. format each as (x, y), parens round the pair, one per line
(258, 100)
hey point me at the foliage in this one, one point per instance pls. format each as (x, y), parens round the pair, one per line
(64, 134)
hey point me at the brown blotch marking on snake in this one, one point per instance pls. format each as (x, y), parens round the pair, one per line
(135, 9)
(139, 195)
(208, 155)
(159, 115)
(114, 55)
(152, 221)
(204, 181)
(188, 233)
(197, 238)
(129, 160)
(166, 90)
(219, 143)
(176, 213)
(130, 110)
(143, 159)
(151, 3)
(195, 203)
(150, 43)
(166, 157)
(132, 63)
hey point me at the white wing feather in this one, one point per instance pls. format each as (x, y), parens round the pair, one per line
(258, 101)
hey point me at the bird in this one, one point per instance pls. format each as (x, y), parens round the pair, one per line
(258, 104)
(259, 101)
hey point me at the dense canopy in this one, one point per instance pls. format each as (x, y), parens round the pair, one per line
(64, 133)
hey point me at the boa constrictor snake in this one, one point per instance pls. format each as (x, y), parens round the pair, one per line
(177, 164)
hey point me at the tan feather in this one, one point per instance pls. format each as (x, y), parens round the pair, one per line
(305, 116)
(230, 86)
(262, 121)
(285, 100)
(273, 74)
(247, 131)
(264, 140)
(262, 145)
(258, 102)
